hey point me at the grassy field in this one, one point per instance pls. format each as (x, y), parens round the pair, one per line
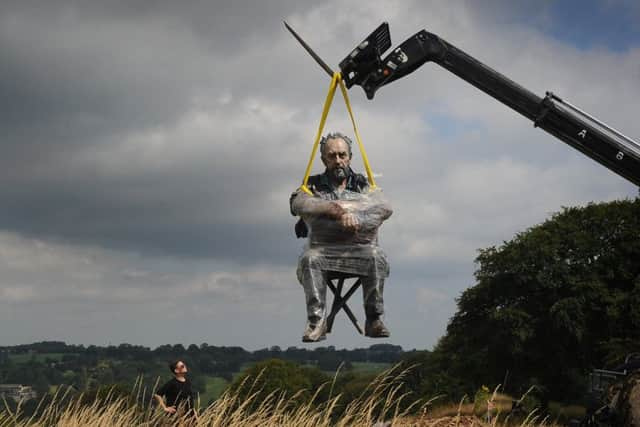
(369, 367)
(379, 404)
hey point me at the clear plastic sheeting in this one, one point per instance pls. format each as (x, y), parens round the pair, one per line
(333, 247)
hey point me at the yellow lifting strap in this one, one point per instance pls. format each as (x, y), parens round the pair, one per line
(335, 81)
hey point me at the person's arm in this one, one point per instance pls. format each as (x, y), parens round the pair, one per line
(163, 405)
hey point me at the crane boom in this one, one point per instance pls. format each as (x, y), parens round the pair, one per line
(365, 67)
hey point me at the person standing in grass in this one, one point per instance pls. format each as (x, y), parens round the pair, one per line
(176, 394)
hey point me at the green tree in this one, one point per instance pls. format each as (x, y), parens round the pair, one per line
(280, 376)
(557, 300)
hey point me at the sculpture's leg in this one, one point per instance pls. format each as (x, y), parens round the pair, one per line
(372, 290)
(313, 282)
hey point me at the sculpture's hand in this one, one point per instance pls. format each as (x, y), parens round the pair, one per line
(350, 221)
(335, 211)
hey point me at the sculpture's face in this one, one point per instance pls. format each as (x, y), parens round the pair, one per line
(336, 157)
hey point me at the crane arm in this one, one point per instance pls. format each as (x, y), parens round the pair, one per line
(365, 67)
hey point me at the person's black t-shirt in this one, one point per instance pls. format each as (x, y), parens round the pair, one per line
(177, 393)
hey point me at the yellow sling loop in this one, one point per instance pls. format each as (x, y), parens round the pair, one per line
(335, 81)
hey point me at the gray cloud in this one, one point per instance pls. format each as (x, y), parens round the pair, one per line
(159, 142)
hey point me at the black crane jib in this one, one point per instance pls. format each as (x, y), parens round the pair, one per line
(365, 67)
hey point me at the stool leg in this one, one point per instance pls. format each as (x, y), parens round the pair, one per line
(335, 307)
(346, 308)
(340, 302)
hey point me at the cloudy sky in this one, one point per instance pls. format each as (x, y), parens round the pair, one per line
(148, 150)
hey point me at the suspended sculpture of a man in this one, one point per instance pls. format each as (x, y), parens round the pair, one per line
(341, 220)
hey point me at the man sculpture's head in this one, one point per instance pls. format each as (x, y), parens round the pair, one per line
(335, 152)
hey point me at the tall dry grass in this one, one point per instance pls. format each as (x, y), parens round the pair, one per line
(382, 404)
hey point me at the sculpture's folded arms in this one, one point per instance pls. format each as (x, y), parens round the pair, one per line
(331, 246)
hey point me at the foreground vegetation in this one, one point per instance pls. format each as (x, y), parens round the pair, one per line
(381, 403)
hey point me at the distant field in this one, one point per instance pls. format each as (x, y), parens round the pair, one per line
(358, 368)
(369, 367)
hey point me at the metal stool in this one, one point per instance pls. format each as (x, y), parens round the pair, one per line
(339, 300)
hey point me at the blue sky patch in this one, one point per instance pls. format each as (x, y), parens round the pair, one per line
(589, 24)
(449, 128)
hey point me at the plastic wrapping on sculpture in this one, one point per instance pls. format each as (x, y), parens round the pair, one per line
(331, 247)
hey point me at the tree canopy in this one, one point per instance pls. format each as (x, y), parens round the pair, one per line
(554, 302)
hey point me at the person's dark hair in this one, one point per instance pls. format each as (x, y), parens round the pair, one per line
(173, 365)
(335, 135)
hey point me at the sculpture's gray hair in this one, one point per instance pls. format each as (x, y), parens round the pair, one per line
(335, 135)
